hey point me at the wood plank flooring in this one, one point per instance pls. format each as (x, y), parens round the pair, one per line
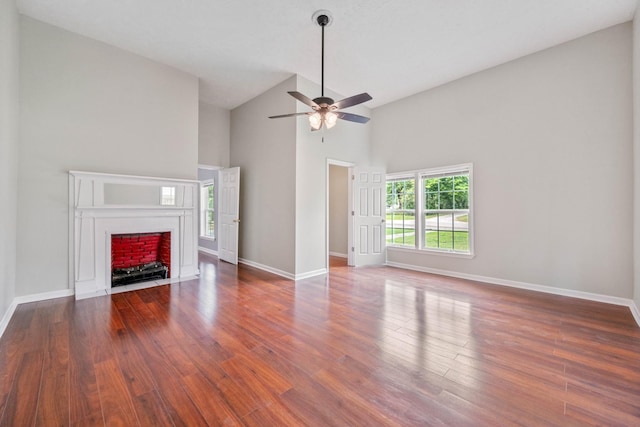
(369, 346)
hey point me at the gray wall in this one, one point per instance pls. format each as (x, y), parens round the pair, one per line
(214, 126)
(550, 137)
(89, 106)
(284, 177)
(265, 151)
(214, 144)
(8, 150)
(338, 209)
(636, 159)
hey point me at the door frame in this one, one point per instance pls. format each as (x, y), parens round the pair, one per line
(335, 162)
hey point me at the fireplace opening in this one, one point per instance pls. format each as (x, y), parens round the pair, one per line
(140, 257)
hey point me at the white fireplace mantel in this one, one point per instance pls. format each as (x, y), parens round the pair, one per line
(101, 205)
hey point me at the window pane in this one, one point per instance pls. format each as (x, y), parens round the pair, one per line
(203, 197)
(207, 214)
(461, 221)
(210, 195)
(209, 224)
(446, 200)
(432, 227)
(446, 183)
(390, 199)
(461, 200)
(431, 200)
(461, 182)
(431, 184)
(168, 196)
(409, 201)
(400, 224)
(448, 231)
(401, 228)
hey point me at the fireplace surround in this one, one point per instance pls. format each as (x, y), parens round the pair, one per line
(102, 206)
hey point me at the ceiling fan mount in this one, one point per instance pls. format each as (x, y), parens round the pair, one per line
(322, 18)
(324, 108)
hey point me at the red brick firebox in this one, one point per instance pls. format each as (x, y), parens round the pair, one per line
(132, 250)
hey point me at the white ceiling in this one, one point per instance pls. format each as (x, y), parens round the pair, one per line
(390, 49)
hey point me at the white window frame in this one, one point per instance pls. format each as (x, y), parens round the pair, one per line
(418, 176)
(204, 209)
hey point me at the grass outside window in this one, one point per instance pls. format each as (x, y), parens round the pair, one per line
(449, 240)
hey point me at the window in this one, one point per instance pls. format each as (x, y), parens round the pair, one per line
(401, 212)
(168, 196)
(438, 217)
(207, 217)
(446, 211)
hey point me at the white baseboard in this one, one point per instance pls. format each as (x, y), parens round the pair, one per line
(635, 312)
(259, 266)
(309, 274)
(30, 298)
(7, 317)
(207, 251)
(338, 254)
(281, 273)
(43, 296)
(528, 286)
(91, 294)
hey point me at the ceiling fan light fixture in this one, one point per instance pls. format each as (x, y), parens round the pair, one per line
(315, 120)
(330, 119)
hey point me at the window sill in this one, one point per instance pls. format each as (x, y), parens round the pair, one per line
(211, 239)
(431, 252)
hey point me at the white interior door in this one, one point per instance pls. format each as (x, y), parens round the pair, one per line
(368, 214)
(229, 214)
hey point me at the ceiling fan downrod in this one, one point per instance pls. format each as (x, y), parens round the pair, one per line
(322, 20)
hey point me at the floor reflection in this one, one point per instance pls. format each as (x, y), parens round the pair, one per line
(422, 329)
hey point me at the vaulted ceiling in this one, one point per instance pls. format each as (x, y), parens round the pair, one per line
(391, 49)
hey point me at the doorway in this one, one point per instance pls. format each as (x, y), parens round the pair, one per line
(337, 212)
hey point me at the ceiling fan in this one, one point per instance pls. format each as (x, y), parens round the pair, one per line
(325, 110)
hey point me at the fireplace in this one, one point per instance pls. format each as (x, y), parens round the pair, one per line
(107, 211)
(140, 257)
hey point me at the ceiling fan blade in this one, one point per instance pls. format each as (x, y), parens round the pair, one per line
(352, 117)
(352, 100)
(304, 99)
(288, 115)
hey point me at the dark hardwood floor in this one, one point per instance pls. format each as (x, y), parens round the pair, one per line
(366, 346)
